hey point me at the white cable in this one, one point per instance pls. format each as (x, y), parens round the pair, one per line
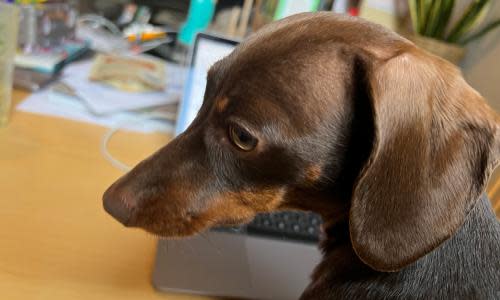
(109, 134)
(100, 21)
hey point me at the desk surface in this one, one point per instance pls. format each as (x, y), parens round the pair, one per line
(56, 241)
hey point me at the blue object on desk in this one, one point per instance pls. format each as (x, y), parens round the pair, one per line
(52, 61)
(199, 16)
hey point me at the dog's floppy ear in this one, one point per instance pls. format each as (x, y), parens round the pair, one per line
(435, 144)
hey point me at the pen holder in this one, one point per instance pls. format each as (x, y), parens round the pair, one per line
(46, 25)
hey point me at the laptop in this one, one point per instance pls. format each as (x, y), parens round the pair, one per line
(270, 258)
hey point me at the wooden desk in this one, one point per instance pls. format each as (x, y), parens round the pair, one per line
(56, 241)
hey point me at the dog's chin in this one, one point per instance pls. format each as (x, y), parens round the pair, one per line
(172, 232)
(192, 228)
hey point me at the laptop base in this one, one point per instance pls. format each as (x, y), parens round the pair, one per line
(234, 265)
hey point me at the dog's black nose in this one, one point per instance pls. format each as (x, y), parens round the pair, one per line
(119, 203)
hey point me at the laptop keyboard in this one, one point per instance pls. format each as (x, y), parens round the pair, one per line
(289, 225)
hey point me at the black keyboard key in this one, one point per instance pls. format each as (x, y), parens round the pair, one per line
(299, 226)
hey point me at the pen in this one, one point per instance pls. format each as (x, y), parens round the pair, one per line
(146, 36)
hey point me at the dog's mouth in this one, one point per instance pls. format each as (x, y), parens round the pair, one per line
(170, 228)
(174, 230)
(173, 219)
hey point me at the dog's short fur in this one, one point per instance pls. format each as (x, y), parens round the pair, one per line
(387, 142)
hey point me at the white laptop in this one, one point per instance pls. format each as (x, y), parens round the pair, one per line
(271, 258)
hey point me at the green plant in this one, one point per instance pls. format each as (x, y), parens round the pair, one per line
(431, 18)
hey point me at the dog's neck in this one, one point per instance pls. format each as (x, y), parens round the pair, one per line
(335, 234)
(334, 213)
(473, 245)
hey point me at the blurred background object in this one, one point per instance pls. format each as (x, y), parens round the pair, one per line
(46, 25)
(9, 21)
(436, 30)
(199, 17)
(383, 12)
(433, 19)
(46, 41)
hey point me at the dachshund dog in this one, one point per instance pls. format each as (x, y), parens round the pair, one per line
(339, 116)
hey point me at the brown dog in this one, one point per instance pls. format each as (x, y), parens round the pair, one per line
(339, 116)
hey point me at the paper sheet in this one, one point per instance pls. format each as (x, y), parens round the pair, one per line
(108, 107)
(53, 104)
(103, 99)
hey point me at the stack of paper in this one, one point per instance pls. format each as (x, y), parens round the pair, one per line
(101, 104)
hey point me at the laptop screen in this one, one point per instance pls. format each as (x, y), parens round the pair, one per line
(207, 50)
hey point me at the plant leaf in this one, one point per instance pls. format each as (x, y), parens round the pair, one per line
(423, 12)
(412, 4)
(480, 17)
(466, 21)
(431, 19)
(444, 18)
(481, 32)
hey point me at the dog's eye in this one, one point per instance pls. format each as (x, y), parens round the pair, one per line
(242, 138)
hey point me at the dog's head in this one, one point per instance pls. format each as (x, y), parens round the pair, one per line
(331, 114)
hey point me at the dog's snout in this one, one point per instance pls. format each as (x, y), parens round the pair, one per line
(118, 203)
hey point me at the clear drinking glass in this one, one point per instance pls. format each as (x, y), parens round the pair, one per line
(9, 23)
